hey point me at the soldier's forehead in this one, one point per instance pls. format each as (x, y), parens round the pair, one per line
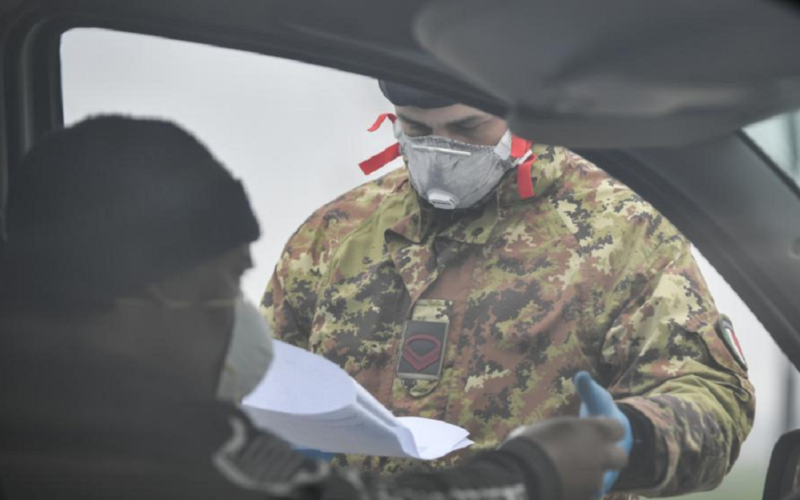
(441, 116)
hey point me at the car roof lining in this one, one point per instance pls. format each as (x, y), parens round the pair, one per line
(288, 29)
(623, 73)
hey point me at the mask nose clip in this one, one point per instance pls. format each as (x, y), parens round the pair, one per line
(434, 149)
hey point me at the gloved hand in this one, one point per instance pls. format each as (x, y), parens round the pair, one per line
(597, 402)
(580, 450)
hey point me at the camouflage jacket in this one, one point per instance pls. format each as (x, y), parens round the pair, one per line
(583, 276)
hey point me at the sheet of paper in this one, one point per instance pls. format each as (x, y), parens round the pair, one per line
(300, 382)
(312, 403)
(346, 431)
(435, 438)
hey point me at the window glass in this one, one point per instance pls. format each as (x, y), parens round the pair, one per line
(295, 133)
(779, 137)
(768, 370)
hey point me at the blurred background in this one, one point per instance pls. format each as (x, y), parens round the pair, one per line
(295, 133)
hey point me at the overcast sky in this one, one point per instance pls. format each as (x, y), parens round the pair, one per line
(294, 134)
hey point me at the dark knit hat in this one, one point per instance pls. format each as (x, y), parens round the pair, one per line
(114, 203)
(403, 95)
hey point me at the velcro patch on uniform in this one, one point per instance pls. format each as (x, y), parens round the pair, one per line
(725, 331)
(423, 349)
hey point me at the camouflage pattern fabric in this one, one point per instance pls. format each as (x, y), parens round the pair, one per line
(583, 276)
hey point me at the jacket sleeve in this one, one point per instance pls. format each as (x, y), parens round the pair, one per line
(261, 462)
(290, 321)
(518, 471)
(663, 358)
(290, 300)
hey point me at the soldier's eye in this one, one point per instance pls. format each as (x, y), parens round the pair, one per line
(470, 126)
(418, 130)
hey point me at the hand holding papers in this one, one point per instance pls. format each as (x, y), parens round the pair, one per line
(312, 403)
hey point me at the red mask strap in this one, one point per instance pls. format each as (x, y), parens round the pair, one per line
(382, 118)
(380, 160)
(389, 154)
(520, 148)
(524, 181)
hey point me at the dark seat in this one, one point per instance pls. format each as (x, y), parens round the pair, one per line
(783, 475)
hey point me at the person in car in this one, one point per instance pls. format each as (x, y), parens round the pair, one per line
(127, 343)
(471, 285)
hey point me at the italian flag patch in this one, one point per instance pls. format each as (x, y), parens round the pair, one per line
(728, 336)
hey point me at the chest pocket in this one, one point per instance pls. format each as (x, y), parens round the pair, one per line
(424, 348)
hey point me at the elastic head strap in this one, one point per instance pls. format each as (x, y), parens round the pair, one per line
(157, 296)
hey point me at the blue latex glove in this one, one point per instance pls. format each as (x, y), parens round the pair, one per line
(316, 454)
(597, 402)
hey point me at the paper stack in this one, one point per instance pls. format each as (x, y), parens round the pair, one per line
(312, 403)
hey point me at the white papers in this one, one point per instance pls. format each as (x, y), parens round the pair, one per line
(312, 403)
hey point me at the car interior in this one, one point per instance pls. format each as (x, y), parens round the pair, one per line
(658, 95)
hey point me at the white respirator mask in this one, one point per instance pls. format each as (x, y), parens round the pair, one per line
(249, 353)
(453, 175)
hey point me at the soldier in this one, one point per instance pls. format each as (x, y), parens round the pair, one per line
(471, 285)
(122, 322)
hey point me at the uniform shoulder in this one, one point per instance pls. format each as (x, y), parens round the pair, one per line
(338, 218)
(600, 207)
